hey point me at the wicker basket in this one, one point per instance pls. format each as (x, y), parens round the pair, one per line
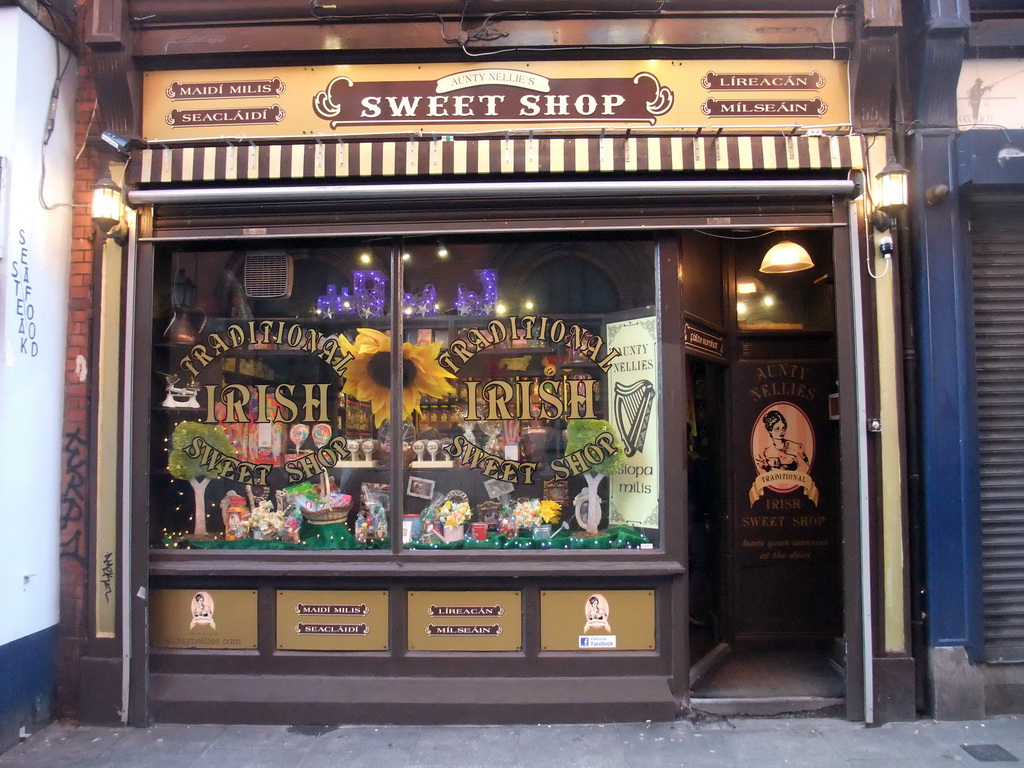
(328, 516)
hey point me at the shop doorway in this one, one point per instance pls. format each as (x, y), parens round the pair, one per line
(707, 557)
(766, 609)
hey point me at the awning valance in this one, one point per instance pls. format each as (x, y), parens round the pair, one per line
(451, 156)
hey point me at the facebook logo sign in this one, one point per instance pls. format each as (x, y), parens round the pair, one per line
(598, 641)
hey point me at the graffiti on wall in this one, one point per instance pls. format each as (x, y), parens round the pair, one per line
(73, 503)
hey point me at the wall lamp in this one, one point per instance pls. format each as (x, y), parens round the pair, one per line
(108, 211)
(890, 194)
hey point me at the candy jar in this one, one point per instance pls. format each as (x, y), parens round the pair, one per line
(507, 523)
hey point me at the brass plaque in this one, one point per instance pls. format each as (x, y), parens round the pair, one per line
(199, 618)
(606, 620)
(465, 621)
(318, 620)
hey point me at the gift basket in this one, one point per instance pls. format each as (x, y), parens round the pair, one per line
(317, 507)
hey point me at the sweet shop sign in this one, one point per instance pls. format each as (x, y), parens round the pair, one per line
(455, 98)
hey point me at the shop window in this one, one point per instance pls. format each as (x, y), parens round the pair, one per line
(529, 378)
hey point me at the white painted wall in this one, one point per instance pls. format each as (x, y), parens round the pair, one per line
(32, 353)
(989, 94)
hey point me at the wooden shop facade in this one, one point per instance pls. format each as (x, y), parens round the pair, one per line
(493, 367)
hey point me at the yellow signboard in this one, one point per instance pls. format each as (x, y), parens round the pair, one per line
(465, 621)
(605, 620)
(447, 99)
(317, 620)
(197, 618)
(632, 386)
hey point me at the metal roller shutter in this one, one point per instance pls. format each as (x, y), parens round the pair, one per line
(997, 245)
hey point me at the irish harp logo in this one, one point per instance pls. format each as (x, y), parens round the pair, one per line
(632, 404)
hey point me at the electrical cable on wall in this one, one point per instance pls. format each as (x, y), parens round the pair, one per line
(51, 121)
(712, 233)
(869, 245)
(88, 128)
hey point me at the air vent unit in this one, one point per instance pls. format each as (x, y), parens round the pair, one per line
(268, 275)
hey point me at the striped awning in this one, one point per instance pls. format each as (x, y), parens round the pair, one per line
(450, 156)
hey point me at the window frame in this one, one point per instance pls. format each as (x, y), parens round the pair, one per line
(664, 558)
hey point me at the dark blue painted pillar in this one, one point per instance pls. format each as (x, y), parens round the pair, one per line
(943, 307)
(947, 408)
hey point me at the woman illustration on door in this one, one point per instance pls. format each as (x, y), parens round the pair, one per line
(781, 453)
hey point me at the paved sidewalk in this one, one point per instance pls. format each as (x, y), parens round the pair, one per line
(725, 743)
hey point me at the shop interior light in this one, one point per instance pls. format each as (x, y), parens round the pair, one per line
(786, 256)
(748, 286)
(442, 252)
(108, 210)
(890, 194)
(365, 257)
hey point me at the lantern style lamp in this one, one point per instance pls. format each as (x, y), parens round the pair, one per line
(108, 211)
(890, 194)
(786, 256)
(183, 291)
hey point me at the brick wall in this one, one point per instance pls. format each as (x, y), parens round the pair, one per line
(76, 488)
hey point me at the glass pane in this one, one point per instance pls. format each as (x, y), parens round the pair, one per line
(700, 276)
(255, 417)
(789, 301)
(538, 426)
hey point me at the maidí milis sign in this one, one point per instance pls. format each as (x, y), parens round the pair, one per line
(451, 98)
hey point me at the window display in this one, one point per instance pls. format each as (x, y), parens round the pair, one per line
(528, 372)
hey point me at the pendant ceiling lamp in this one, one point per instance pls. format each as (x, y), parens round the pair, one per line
(786, 256)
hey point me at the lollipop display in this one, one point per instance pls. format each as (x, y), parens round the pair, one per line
(298, 434)
(321, 434)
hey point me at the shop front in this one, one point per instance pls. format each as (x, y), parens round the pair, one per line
(506, 418)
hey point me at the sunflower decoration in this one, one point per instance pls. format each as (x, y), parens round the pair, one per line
(368, 376)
